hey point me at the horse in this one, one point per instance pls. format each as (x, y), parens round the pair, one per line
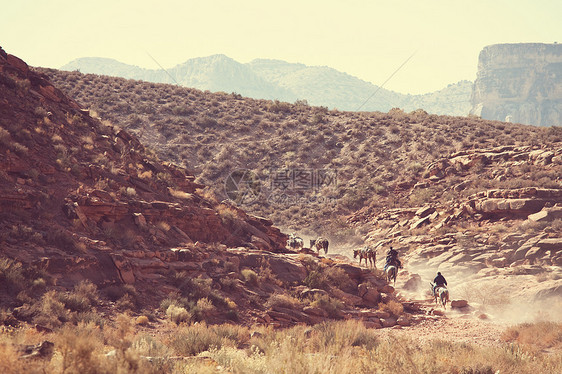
(295, 242)
(391, 273)
(369, 254)
(440, 294)
(320, 243)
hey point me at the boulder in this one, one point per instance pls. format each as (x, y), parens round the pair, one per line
(552, 244)
(352, 271)
(425, 211)
(124, 268)
(534, 253)
(403, 321)
(388, 322)
(381, 314)
(315, 311)
(459, 304)
(346, 297)
(547, 214)
(420, 223)
(369, 294)
(387, 289)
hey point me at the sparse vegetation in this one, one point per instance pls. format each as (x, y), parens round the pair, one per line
(371, 153)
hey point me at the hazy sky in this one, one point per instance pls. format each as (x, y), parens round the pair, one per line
(367, 39)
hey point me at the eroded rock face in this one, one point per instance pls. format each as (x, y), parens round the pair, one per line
(519, 83)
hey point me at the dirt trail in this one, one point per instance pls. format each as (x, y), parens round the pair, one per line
(458, 330)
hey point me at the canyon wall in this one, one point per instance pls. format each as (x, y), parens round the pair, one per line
(519, 83)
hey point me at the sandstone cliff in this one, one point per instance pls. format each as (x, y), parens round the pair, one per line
(520, 83)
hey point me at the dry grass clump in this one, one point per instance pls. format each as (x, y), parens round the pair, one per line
(393, 307)
(330, 305)
(178, 314)
(535, 336)
(84, 296)
(283, 300)
(142, 320)
(324, 276)
(198, 297)
(197, 338)
(12, 277)
(249, 276)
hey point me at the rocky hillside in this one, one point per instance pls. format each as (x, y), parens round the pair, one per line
(496, 239)
(376, 157)
(520, 83)
(93, 224)
(280, 80)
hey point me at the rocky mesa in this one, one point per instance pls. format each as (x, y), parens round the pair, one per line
(519, 83)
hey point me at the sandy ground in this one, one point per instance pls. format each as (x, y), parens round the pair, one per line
(456, 329)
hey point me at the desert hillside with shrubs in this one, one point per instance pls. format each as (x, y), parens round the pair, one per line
(378, 157)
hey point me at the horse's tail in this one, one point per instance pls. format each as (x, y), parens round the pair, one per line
(391, 272)
(444, 297)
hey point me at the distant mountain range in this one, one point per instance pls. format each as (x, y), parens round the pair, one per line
(281, 80)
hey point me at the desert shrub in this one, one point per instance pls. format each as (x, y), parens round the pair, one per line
(337, 276)
(193, 288)
(12, 276)
(338, 335)
(11, 363)
(178, 314)
(125, 296)
(5, 138)
(329, 304)
(202, 309)
(61, 239)
(7, 318)
(84, 296)
(250, 276)
(228, 215)
(182, 110)
(283, 300)
(393, 307)
(173, 299)
(316, 279)
(206, 122)
(265, 274)
(535, 336)
(194, 339)
(88, 317)
(279, 107)
(422, 196)
(50, 311)
(142, 320)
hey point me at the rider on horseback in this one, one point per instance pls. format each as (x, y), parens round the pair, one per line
(439, 281)
(392, 259)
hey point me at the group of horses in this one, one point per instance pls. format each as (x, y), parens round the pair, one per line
(440, 293)
(318, 244)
